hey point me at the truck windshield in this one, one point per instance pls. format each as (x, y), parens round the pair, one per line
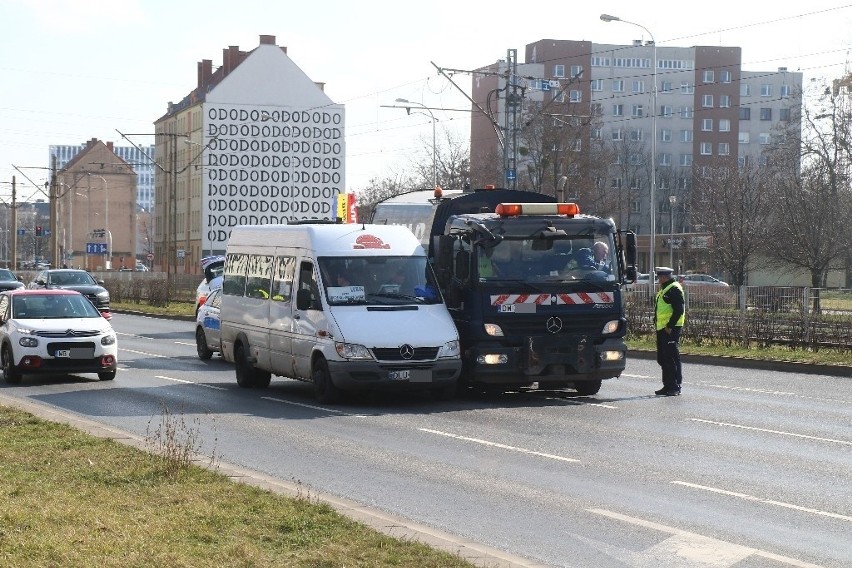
(378, 280)
(576, 257)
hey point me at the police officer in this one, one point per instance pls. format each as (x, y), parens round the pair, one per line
(669, 315)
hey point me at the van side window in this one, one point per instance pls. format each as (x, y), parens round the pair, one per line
(258, 276)
(307, 282)
(234, 281)
(282, 278)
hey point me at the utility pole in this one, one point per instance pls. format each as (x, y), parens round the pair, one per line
(53, 199)
(512, 102)
(14, 227)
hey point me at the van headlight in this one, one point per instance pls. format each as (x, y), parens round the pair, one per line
(450, 349)
(352, 351)
(107, 340)
(611, 327)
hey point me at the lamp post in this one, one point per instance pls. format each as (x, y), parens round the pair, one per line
(434, 148)
(608, 18)
(672, 203)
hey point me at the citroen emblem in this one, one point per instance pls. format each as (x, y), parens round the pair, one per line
(406, 351)
(554, 325)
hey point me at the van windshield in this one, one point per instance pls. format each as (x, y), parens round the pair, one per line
(378, 280)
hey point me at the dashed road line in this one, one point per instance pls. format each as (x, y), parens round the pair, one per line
(499, 445)
(769, 431)
(184, 381)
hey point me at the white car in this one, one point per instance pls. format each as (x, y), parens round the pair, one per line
(54, 332)
(207, 326)
(213, 267)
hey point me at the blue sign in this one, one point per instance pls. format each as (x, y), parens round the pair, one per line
(22, 231)
(510, 174)
(96, 248)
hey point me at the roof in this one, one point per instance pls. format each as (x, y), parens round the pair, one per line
(42, 292)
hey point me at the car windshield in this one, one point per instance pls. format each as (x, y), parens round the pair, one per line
(44, 306)
(6, 275)
(378, 280)
(70, 279)
(576, 257)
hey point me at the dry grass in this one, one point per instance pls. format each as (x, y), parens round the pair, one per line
(70, 499)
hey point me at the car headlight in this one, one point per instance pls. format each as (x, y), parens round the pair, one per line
(493, 329)
(107, 340)
(103, 294)
(352, 351)
(28, 342)
(610, 326)
(450, 349)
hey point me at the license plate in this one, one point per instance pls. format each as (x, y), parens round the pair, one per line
(399, 375)
(66, 353)
(411, 375)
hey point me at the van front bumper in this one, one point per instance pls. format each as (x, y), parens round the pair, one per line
(372, 375)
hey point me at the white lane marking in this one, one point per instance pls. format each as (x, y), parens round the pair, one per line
(580, 402)
(692, 549)
(184, 381)
(638, 376)
(746, 389)
(182, 343)
(312, 406)
(498, 445)
(761, 500)
(767, 430)
(144, 353)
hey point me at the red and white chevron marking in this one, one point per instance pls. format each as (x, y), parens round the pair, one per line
(553, 299)
(508, 299)
(585, 298)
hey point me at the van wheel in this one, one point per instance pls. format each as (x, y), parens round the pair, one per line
(244, 369)
(204, 352)
(324, 389)
(587, 388)
(11, 375)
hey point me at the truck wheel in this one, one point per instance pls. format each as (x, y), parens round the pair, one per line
(11, 375)
(587, 388)
(324, 389)
(204, 352)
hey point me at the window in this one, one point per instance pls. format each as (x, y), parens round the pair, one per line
(617, 110)
(665, 160)
(575, 96)
(686, 112)
(687, 88)
(725, 76)
(666, 87)
(576, 70)
(766, 90)
(724, 101)
(307, 282)
(765, 114)
(637, 111)
(617, 134)
(724, 149)
(282, 279)
(724, 125)
(616, 183)
(665, 135)
(636, 206)
(559, 96)
(666, 111)
(638, 86)
(785, 91)
(686, 160)
(686, 135)
(597, 133)
(635, 160)
(597, 109)
(706, 149)
(709, 76)
(558, 70)
(707, 101)
(745, 113)
(617, 86)
(636, 134)
(743, 138)
(597, 85)
(784, 114)
(745, 90)
(765, 138)
(234, 281)
(258, 276)
(707, 124)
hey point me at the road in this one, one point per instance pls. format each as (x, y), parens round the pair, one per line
(748, 468)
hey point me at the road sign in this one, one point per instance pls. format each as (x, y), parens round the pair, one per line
(96, 248)
(22, 231)
(181, 253)
(510, 174)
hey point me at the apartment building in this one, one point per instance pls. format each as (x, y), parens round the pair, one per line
(707, 109)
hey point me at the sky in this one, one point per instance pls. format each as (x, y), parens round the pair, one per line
(72, 71)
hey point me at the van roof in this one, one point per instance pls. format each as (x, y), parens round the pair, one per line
(346, 239)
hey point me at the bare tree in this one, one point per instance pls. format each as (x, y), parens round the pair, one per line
(451, 157)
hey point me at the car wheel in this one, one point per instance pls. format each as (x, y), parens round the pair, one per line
(324, 389)
(204, 352)
(587, 388)
(106, 375)
(10, 374)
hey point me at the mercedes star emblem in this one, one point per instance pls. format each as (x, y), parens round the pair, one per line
(407, 351)
(554, 325)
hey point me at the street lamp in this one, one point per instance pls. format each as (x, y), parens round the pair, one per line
(672, 203)
(434, 151)
(608, 18)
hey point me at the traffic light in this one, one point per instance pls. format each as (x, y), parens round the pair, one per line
(38, 231)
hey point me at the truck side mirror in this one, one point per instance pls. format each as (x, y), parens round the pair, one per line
(303, 299)
(630, 249)
(462, 265)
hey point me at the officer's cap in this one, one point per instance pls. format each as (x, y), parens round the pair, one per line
(663, 271)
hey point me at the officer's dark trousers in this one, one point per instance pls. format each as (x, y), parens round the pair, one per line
(668, 356)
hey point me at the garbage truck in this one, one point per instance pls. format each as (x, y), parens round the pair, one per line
(534, 286)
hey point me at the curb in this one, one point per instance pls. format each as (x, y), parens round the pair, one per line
(761, 364)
